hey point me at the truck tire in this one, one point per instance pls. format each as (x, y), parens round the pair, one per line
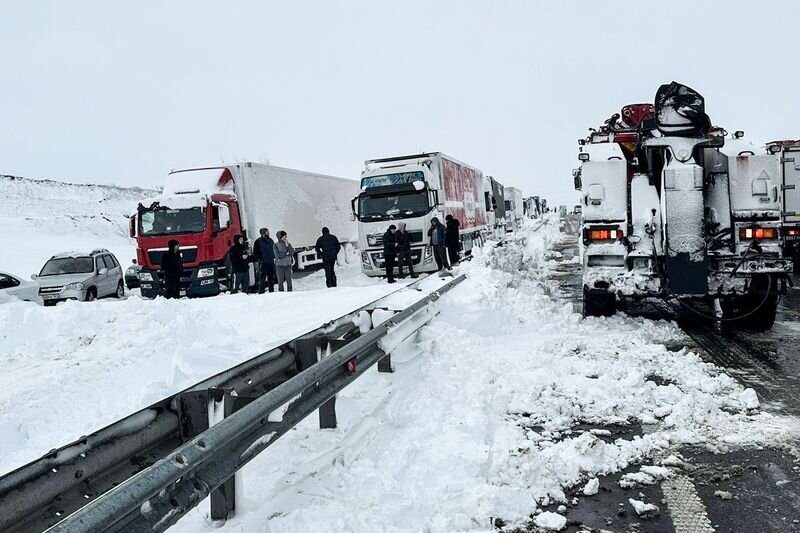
(598, 302)
(756, 308)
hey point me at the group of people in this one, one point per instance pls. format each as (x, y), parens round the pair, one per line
(445, 241)
(273, 261)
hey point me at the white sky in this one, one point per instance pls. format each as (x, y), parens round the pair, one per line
(112, 93)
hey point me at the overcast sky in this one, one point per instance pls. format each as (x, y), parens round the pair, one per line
(100, 92)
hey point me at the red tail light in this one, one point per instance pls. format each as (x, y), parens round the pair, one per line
(758, 233)
(604, 234)
(793, 232)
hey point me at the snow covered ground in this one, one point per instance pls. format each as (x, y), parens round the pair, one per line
(39, 218)
(478, 421)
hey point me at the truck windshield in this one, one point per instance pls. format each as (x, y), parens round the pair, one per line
(173, 221)
(391, 206)
(68, 265)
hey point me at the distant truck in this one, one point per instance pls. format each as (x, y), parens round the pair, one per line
(789, 153)
(204, 208)
(414, 189)
(494, 197)
(562, 210)
(515, 207)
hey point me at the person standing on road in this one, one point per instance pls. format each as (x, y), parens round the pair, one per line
(172, 266)
(403, 247)
(389, 252)
(327, 248)
(240, 266)
(452, 238)
(437, 234)
(264, 253)
(284, 256)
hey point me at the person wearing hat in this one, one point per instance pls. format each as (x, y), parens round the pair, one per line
(437, 235)
(389, 252)
(284, 257)
(240, 266)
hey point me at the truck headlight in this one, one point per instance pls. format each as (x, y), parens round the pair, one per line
(73, 287)
(205, 272)
(365, 258)
(145, 276)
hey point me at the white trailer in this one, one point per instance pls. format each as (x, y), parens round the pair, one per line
(204, 208)
(515, 206)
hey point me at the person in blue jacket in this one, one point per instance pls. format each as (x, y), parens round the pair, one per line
(264, 253)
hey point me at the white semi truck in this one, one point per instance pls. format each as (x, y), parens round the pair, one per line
(414, 189)
(672, 208)
(515, 207)
(204, 208)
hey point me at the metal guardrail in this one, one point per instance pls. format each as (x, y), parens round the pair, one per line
(157, 497)
(40, 494)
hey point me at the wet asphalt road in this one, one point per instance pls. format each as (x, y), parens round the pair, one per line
(764, 484)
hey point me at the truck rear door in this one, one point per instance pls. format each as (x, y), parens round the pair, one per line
(791, 187)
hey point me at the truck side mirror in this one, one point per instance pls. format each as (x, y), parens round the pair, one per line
(224, 216)
(578, 181)
(132, 227)
(354, 208)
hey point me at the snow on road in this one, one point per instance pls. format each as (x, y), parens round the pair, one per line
(477, 421)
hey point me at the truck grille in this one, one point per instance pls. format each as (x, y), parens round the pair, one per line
(413, 236)
(377, 258)
(188, 255)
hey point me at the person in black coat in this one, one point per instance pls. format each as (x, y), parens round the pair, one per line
(240, 267)
(389, 252)
(403, 247)
(172, 266)
(327, 248)
(452, 239)
(264, 253)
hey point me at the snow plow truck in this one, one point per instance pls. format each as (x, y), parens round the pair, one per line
(676, 209)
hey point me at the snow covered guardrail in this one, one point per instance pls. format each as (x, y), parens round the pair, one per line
(157, 497)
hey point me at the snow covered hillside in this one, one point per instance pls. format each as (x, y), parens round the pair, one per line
(480, 419)
(39, 218)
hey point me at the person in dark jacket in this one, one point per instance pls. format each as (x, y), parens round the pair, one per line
(403, 247)
(452, 238)
(437, 235)
(389, 252)
(264, 253)
(172, 266)
(240, 265)
(327, 248)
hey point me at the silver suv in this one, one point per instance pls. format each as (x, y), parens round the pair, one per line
(80, 276)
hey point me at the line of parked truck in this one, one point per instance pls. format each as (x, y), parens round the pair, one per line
(674, 207)
(204, 208)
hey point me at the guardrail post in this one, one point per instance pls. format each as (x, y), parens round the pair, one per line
(223, 499)
(307, 350)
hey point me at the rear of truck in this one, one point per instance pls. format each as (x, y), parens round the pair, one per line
(673, 210)
(788, 153)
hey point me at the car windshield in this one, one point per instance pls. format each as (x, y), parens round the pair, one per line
(390, 206)
(68, 265)
(173, 221)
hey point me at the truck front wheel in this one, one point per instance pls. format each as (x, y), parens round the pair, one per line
(598, 302)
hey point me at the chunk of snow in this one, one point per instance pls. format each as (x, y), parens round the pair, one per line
(644, 510)
(592, 487)
(551, 521)
(749, 399)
